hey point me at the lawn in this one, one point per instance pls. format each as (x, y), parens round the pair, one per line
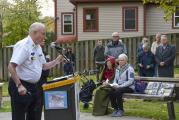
(6, 107)
(153, 109)
(139, 108)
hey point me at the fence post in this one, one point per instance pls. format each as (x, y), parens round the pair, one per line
(86, 55)
(1, 64)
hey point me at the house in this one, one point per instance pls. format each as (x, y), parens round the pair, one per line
(97, 19)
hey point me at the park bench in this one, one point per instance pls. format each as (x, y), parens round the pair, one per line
(1, 84)
(169, 99)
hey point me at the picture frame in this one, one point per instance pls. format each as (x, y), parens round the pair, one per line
(55, 100)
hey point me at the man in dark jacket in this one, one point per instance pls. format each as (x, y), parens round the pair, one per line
(99, 54)
(164, 57)
(99, 58)
(69, 65)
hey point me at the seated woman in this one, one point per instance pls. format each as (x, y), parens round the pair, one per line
(101, 99)
(123, 83)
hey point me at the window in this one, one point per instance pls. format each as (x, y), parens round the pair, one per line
(67, 23)
(90, 20)
(176, 19)
(130, 17)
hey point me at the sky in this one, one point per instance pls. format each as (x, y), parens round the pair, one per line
(47, 7)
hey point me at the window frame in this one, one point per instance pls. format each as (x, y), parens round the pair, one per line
(173, 21)
(63, 24)
(136, 18)
(97, 19)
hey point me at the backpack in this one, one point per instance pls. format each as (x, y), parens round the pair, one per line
(86, 92)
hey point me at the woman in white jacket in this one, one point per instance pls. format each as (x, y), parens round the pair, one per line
(123, 83)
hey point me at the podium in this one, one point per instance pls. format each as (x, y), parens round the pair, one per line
(61, 99)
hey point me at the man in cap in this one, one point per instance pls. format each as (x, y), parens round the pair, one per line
(115, 47)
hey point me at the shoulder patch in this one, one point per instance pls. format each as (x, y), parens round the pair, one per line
(132, 75)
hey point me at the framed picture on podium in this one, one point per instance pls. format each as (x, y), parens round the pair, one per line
(56, 100)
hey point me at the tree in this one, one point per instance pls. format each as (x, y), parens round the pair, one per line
(17, 17)
(50, 27)
(169, 6)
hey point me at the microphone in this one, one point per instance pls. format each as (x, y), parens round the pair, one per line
(54, 45)
(59, 49)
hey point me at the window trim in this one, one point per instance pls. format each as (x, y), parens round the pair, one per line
(123, 18)
(173, 22)
(97, 19)
(62, 23)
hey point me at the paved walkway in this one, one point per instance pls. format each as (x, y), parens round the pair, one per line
(84, 116)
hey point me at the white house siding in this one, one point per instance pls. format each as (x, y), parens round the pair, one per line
(156, 23)
(110, 20)
(63, 6)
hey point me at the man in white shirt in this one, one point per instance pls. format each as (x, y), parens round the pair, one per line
(156, 43)
(25, 67)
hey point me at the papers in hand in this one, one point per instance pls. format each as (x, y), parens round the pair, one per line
(113, 84)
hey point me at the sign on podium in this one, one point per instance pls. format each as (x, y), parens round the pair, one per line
(61, 98)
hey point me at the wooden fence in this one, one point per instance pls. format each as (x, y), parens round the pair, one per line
(84, 54)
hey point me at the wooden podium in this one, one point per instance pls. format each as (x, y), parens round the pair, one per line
(61, 99)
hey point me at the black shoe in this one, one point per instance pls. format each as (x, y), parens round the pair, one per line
(85, 106)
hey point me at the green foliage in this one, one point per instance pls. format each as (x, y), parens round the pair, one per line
(6, 107)
(49, 23)
(50, 27)
(169, 6)
(5, 89)
(17, 17)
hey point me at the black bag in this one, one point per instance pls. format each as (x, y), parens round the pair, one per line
(86, 92)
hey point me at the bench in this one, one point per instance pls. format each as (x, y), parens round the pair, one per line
(168, 99)
(1, 84)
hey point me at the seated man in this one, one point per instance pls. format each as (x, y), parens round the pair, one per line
(123, 83)
(101, 97)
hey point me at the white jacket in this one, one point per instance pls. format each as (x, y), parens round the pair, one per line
(126, 79)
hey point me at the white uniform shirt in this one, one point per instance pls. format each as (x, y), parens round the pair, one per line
(29, 58)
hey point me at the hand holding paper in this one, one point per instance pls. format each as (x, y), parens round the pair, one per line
(114, 85)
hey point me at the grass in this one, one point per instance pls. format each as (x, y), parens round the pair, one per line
(6, 107)
(177, 72)
(154, 109)
(5, 90)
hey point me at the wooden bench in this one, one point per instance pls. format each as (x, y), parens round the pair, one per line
(168, 99)
(1, 84)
